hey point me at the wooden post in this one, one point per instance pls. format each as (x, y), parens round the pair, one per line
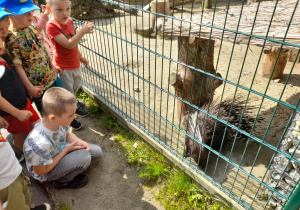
(190, 84)
(159, 6)
(269, 62)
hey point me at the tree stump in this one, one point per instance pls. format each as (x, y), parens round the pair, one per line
(191, 84)
(159, 6)
(269, 62)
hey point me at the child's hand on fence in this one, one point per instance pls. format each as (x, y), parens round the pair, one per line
(35, 91)
(45, 9)
(88, 28)
(3, 123)
(84, 61)
(23, 115)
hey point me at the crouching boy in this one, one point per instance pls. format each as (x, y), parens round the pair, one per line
(52, 153)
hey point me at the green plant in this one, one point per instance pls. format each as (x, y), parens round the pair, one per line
(180, 193)
(108, 121)
(92, 105)
(62, 206)
(154, 170)
(136, 155)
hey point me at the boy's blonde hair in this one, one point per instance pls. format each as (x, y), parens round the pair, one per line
(55, 101)
(49, 2)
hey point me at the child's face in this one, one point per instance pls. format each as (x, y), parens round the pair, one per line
(61, 10)
(4, 26)
(66, 118)
(22, 21)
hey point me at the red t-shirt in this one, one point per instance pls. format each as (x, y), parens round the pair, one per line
(67, 59)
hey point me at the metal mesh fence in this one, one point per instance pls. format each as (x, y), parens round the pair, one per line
(218, 87)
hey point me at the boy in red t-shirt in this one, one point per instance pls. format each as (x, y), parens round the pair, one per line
(66, 55)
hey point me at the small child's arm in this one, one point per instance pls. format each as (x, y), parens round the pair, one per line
(61, 39)
(3, 123)
(21, 115)
(42, 21)
(41, 170)
(34, 91)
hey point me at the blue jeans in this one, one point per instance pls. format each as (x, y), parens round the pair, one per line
(73, 164)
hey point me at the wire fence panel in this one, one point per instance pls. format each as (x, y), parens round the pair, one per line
(218, 87)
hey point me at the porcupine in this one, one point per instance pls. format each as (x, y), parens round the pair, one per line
(214, 130)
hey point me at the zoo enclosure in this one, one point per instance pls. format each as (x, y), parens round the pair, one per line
(132, 74)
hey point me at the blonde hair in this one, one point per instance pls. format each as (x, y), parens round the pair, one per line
(55, 101)
(49, 2)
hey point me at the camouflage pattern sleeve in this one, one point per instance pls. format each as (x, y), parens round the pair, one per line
(13, 50)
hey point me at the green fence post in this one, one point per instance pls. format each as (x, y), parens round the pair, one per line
(294, 202)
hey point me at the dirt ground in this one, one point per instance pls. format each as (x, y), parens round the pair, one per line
(131, 73)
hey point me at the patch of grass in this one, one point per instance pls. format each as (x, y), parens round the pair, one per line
(176, 190)
(157, 168)
(92, 105)
(179, 192)
(108, 122)
(62, 206)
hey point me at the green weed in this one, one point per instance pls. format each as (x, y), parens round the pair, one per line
(108, 122)
(136, 155)
(62, 206)
(180, 193)
(154, 170)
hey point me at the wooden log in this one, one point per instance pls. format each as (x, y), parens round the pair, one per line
(191, 84)
(159, 6)
(143, 30)
(269, 62)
